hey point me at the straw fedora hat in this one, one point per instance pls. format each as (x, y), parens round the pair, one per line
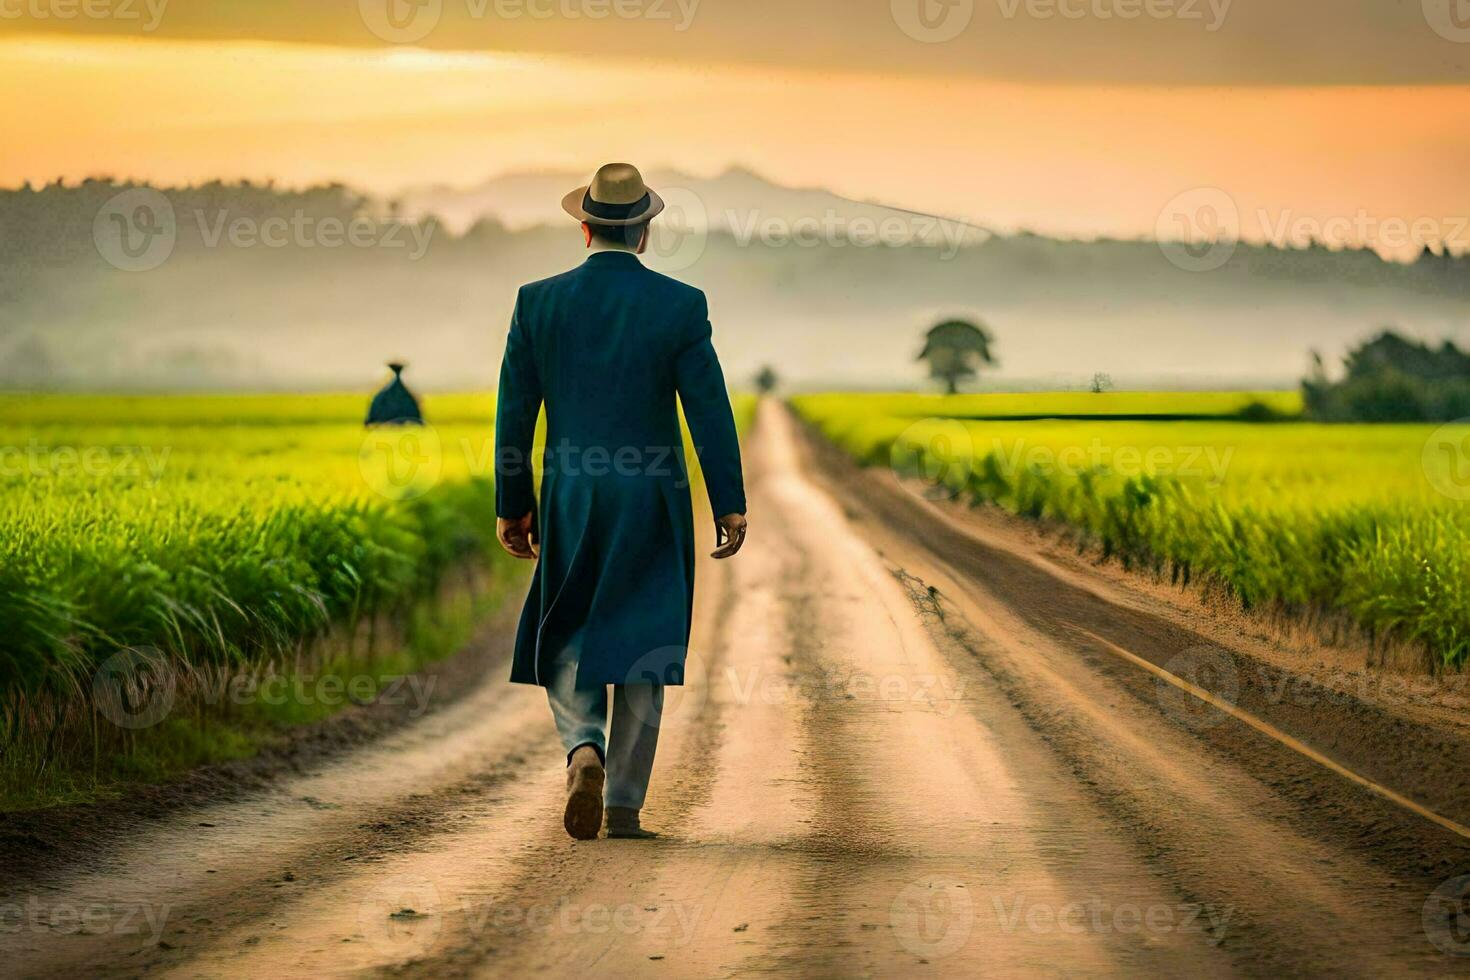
(617, 196)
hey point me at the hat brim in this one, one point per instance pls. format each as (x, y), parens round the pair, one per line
(572, 205)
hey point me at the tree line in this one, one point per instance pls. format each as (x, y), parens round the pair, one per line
(1392, 378)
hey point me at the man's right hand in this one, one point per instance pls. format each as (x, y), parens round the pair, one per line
(518, 536)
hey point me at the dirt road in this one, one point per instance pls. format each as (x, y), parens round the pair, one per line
(902, 751)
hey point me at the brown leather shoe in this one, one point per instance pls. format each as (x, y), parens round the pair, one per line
(585, 780)
(623, 824)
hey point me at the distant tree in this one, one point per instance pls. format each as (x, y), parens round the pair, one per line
(395, 404)
(956, 350)
(766, 380)
(1101, 382)
(1391, 378)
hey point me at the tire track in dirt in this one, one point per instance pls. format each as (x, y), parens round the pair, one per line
(1426, 762)
(224, 878)
(882, 764)
(938, 840)
(1231, 817)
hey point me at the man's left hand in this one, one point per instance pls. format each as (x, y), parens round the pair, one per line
(729, 535)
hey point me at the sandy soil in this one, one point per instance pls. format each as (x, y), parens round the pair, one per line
(906, 748)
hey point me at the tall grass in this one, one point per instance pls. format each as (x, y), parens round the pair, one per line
(1298, 516)
(203, 539)
(210, 536)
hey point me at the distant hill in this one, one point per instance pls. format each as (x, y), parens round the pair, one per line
(737, 201)
(304, 307)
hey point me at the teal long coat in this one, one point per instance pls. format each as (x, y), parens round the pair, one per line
(608, 347)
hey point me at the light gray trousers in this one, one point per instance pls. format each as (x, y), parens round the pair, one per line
(627, 748)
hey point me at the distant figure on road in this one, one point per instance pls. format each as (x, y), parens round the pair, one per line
(607, 347)
(395, 404)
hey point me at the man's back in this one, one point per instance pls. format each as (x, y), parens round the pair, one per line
(611, 349)
(605, 339)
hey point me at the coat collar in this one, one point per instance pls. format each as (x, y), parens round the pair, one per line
(612, 259)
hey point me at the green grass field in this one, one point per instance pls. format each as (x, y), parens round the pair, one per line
(205, 537)
(209, 537)
(1370, 520)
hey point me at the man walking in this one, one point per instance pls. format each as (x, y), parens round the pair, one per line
(607, 348)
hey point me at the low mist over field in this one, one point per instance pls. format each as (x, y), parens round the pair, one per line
(251, 287)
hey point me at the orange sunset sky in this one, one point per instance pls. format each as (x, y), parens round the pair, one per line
(1081, 122)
